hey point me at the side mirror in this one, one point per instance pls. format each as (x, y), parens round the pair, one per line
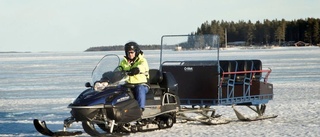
(88, 85)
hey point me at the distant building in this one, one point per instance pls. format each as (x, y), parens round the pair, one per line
(237, 43)
(301, 43)
(178, 48)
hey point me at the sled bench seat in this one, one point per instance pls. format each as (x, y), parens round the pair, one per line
(243, 69)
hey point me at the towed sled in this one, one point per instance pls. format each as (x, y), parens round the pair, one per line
(110, 105)
(205, 83)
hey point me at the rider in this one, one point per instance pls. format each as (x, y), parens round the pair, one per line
(138, 69)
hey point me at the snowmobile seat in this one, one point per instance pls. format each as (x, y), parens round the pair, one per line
(155, 77)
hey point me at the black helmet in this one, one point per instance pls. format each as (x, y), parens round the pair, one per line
(132, 46)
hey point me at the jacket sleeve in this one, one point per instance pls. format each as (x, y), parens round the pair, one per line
(143, 66)
(124, 65)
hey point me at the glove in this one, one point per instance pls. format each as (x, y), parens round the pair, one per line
(134, 71)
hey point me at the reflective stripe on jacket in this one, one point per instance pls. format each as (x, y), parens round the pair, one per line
(143, 66)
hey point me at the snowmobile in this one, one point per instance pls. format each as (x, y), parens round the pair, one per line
(108, 103)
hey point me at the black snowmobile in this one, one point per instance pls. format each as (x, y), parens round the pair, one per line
(108, 103)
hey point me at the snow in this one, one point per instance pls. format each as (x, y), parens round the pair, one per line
(34, 85)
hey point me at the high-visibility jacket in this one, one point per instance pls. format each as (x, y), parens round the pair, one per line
(141, 63)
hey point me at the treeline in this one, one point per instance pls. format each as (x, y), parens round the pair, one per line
(121, 47)
(264, 33)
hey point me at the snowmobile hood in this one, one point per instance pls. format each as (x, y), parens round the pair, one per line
(91, 97)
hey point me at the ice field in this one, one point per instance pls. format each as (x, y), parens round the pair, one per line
(41, 85)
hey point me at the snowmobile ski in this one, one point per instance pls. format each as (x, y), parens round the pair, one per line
(42, 128)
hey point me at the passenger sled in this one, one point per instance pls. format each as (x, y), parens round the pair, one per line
(204, 84)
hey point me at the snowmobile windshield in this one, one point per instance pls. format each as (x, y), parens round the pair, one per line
(107, 71)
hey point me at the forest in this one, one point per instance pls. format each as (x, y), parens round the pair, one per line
(265, 33)
(268, 32)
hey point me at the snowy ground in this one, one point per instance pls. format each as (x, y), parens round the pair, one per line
(33, 87)
(297, 109)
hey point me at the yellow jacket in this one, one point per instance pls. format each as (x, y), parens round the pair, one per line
(143, 66)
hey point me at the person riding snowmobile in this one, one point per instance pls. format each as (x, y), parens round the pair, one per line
(138, 71)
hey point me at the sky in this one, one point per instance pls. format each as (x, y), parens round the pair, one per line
(76, 25)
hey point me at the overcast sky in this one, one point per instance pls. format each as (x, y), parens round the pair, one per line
(75, 25)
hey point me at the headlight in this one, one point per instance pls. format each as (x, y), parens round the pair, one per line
(99, 86)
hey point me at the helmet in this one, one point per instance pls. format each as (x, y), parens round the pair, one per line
(132, 46)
